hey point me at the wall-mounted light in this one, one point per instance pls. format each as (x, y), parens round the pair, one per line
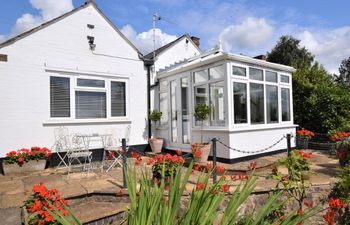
(91, 26)
(91, 42)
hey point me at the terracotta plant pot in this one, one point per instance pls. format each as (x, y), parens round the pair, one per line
(204, 149)
(28, 167)
(156, 144)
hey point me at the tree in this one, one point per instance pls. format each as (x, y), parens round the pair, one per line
(344, 74)
(288, 52)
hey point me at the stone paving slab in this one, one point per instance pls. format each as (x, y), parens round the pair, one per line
(10, 216)
(91, 211)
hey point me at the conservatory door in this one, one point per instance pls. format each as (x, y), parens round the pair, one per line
(179, 112)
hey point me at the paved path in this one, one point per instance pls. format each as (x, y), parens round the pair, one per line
(14, 190)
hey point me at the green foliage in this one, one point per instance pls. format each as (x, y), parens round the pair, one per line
(344, 74)
(152, 204)
(319, 104)
(288, 52)
(155, 115)
(202, 111)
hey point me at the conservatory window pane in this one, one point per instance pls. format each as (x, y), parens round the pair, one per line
(163, 107)
(284, 79)
(201, 76)
(255, 74)
(216, 72)
(201, 96)
(285, 101)
(90, 104)
(272, 104)
(271, 76)
(240, 102)
(256, 103)
(239, 71)
(217, 117)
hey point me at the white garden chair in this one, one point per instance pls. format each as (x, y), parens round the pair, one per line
(78, 152)
(61, 145)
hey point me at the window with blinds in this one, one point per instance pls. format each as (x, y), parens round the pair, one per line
(118, 100)
(59, 97)
(90, 105)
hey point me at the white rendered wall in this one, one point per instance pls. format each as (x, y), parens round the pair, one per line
(61, 47)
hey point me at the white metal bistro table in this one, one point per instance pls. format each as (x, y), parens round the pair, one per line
(86, 138)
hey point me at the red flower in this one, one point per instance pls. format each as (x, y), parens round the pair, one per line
(329, 217)
(199, 186)
(252, 165)
(234, 177)
(120, 151)
(110, 155)
(336, 203)
(197, 154)
(179, 152)
(138, 161)
(220, 169)
(20, 161)
(197, 166)
(243, 177)
(150, 161)
(208, 167)
(299, 212)
(135, 155)
(225, 188)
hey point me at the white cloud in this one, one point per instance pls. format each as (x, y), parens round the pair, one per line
(48, 9)
(250, 33)
(144, 41)
(330, 46)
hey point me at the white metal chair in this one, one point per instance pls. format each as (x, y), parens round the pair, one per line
(61, 145)
(113, 146)
(79, 152)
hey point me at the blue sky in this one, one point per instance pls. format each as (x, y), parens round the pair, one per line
(243, 26)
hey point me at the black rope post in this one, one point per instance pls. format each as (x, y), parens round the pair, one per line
(124, 162)
(214, 160)
(289, 149)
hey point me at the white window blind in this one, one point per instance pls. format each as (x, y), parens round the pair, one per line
(90, 104)
(118, 101)
(59, 97)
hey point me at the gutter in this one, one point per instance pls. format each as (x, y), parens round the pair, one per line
(148, 63)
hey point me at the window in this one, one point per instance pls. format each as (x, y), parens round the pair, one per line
(271, 76)
(217, 103)
(285, 101)
(256, 103)
(255, 74)
(92, 98)
(118, 100)
(272, 104)
(240, 102)
(89, 105)
(163, 102)
(59, 97)
(216, 72)
(210, 90)
(284, 79)
(201, 76)
(239, 71)
(90, 83)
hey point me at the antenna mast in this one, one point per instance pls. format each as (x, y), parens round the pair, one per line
(156, 17)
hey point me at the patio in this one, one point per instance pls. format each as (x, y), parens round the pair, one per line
(94, 196)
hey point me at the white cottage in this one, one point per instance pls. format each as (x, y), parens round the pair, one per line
(78, 71)
(251, 102)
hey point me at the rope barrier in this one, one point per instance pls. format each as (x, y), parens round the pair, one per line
(252, 152)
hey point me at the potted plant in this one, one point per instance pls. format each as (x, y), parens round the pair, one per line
(166, 165)
(201, 150)
(303, 137)
(342, 142)
(156, 143)
(26, 160)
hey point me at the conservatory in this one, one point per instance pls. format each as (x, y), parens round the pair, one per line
(251, 101)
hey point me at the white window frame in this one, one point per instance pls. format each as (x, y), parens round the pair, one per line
(246, 80)
(207, 83)
(107, 89)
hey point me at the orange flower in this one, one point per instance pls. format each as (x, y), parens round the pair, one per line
(252, 165)
(197, 166)
(225, 188)
(233, 177)
(197, 154)
(199, 186)
(220, 169)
